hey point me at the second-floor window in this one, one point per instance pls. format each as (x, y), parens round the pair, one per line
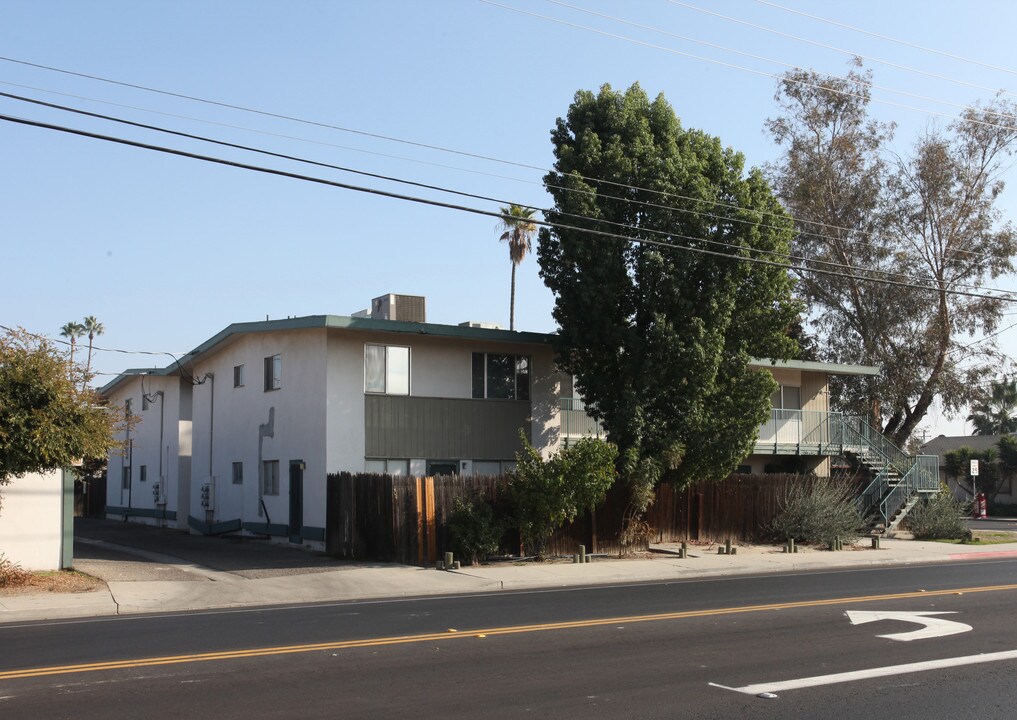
(238, 376)
(501, 377)
(387, 369)
(273, 372)
(787, 397)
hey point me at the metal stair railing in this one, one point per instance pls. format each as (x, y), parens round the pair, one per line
(922, 477)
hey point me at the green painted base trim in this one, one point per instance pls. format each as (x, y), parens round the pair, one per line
(273, 529)
(312, 533)
(219, 528)
(157, 513)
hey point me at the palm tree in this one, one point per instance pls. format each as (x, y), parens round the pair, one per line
(996, 415)
(517, 223)
(72, 331)
(93, 327)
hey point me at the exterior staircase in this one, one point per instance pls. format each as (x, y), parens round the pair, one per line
(899, 480)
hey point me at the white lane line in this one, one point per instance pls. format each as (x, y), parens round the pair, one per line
(817, 680)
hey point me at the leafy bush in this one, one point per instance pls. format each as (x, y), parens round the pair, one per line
(474, 529)
(817, 511)
(939, 518)
(12, 574)
(546, 494)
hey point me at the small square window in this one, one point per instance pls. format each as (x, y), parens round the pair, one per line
(238, 376)
(238, 472)
(273, 372)
(270, 478)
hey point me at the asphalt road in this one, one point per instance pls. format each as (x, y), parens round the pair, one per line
(646, 651)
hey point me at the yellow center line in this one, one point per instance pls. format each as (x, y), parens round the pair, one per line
(442, 636)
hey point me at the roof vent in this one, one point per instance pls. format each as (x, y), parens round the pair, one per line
(484, 325)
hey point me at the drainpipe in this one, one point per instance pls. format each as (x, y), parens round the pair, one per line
(210, 514)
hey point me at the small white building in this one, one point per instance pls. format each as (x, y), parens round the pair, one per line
(37, 520)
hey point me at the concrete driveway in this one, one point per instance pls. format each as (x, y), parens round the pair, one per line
(128, 552)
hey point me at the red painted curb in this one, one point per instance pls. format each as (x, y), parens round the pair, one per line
(975, 555)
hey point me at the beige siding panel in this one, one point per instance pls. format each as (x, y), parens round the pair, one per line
(443, 428)
(814, 391)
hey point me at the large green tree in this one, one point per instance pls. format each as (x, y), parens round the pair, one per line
(47, 419)
(659, 318)
(927, 221)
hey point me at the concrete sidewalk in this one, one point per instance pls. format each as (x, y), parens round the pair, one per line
(316, 579)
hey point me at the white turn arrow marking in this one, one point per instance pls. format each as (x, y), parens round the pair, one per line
(932, 626)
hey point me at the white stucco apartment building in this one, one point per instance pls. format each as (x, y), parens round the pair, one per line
(240, 434)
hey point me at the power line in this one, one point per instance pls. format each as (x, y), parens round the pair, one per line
(478, 211)
(1008, 116)
(888, 38)
(95, 348)
(831, 47)
(500, 201)
(733, 66)
(664, 194)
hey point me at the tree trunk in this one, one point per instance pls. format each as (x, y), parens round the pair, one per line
(512, 301)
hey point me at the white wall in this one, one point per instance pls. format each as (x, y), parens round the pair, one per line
(298, 412)
(153, 442)
(439, 367)
(31, 521)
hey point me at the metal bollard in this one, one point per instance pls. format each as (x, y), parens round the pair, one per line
(727, 547)
(875, 543)
(683, 553)
(582, 554)
(448, 561)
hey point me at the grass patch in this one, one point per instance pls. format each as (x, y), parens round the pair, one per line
(984, 537)
(51, 581)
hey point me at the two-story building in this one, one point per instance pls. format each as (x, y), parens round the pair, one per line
(240, 434)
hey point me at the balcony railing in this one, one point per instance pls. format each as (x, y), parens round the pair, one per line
(801, 432)
(575, 423)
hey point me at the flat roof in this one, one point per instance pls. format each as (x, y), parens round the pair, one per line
(342, 322)
(337, 322)
(832, 368)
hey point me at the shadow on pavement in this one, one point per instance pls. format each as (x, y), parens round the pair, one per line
(247, 557)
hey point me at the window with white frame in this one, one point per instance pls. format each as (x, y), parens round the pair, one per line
(501, 377)
(787, 397)
(270, 477)
(238, 376)
(386, 369)
(387, 467)
(238, 473)
(273, 372)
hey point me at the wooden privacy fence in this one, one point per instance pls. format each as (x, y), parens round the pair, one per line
(405, 519)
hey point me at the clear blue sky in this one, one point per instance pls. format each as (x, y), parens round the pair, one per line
(167, 251)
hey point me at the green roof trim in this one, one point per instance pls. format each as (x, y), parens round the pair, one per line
(337, 322)
(831, 368)
(342, 322)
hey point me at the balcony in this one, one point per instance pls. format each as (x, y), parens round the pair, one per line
(802, 432)
(787, 432)
(575, 423)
